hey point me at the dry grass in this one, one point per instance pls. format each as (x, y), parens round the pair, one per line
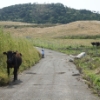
(74, 28)
(13, 23)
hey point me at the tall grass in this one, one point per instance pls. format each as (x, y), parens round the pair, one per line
(30, 55)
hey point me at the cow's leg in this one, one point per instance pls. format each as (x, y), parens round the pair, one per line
(15, 73)
(8, 70)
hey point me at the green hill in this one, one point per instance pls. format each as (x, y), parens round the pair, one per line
(45, 13)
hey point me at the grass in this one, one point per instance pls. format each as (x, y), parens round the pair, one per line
(89, 66)
(30, 55)
(16, 25)
(71, 29)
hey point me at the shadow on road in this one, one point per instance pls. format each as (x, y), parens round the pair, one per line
(17, 82)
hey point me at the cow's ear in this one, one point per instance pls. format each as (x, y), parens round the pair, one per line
(20, 54)
(5, 53)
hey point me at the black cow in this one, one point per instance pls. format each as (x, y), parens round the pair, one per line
(93, 43)
(14, 60)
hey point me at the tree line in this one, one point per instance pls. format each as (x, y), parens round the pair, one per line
(45, 13)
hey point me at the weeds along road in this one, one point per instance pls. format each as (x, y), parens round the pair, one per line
(53, 78)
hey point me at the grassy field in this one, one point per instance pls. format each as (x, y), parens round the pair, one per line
(71, 38)
(62, 34)
(59, 36)
(74, 28)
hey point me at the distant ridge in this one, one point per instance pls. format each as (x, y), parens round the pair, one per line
(73, 30)
(45, 13)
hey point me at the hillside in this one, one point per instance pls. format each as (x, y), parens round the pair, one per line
(70, 29)
(45, 13)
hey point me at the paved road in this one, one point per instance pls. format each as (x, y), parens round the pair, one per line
(53, 78)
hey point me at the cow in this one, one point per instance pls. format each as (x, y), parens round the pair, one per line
(14, 60)
(93, 43)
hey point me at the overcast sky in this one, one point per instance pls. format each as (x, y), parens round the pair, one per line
(93, 5)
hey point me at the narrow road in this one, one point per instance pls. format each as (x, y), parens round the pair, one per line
(53, 78)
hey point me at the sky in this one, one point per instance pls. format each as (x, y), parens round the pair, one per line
(92, 5)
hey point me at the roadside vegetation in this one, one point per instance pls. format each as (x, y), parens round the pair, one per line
(89, 66)
(72, 38)
(30, 55)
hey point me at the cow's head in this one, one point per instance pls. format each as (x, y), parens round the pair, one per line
(9, 55)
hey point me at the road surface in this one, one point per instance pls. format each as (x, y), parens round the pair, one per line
(53, 78)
